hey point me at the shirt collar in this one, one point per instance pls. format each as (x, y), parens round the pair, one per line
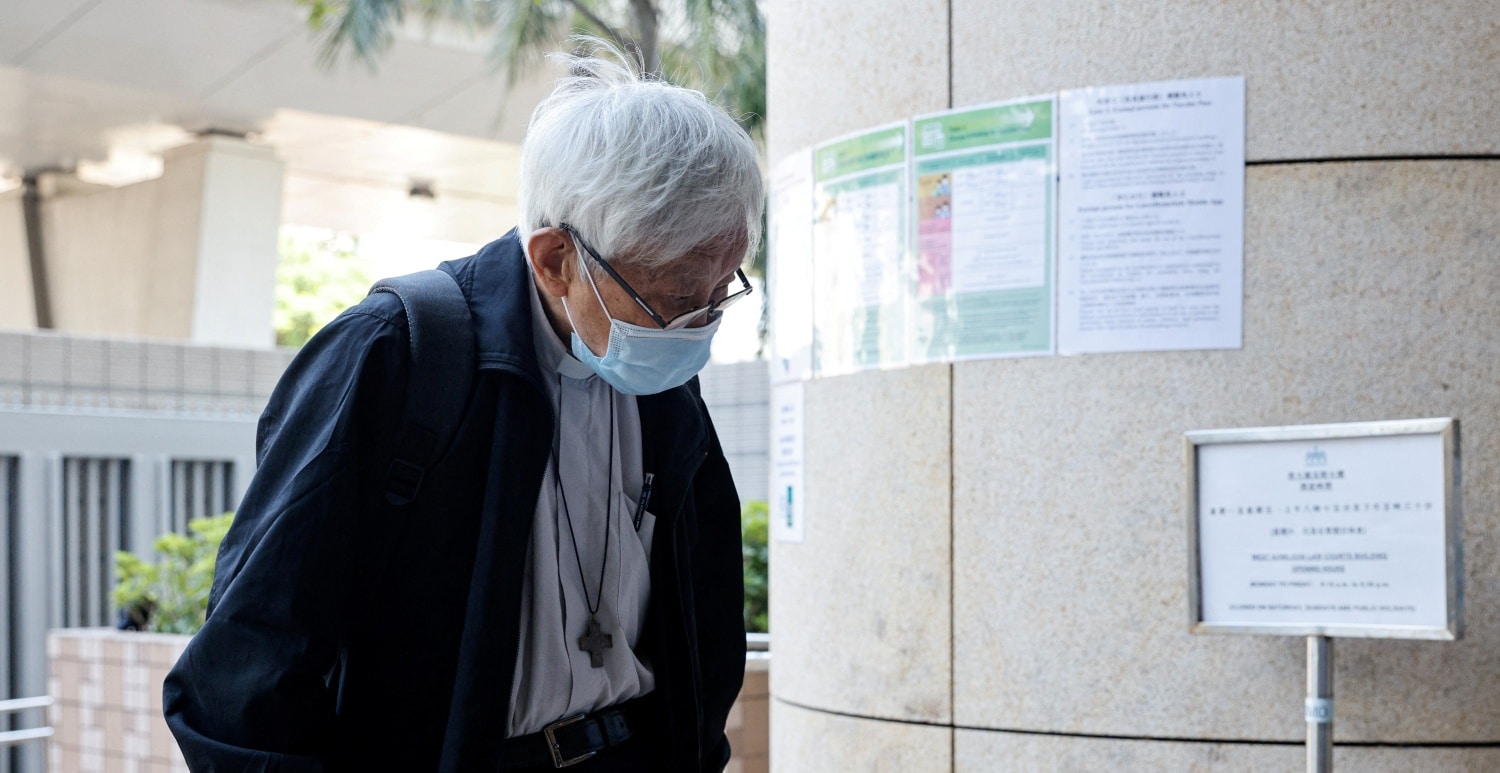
(550, 353)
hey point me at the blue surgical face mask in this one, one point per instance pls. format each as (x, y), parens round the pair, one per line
(641, 360)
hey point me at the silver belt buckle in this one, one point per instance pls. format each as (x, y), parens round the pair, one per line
(556, 749)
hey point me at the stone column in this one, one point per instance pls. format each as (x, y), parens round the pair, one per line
(235, 247)
(190, 255)
(17, 306)
(994, 575)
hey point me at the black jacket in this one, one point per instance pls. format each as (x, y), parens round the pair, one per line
(348, 634)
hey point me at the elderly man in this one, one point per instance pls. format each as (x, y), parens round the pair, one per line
(565, 587)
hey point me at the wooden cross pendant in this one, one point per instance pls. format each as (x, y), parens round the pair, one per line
(595, 642)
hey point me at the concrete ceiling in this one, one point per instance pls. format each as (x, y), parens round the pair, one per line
(104, 86)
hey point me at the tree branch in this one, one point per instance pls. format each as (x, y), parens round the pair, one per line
(594, 19)
(645, 26)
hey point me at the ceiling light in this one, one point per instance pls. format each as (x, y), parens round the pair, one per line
(421, 189)
(123, 167)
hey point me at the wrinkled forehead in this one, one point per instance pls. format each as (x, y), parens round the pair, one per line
(705, 267)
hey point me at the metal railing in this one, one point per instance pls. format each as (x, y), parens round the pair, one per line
(16, 737)
(75, 487)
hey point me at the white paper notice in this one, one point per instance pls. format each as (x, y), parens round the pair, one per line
(1151, 216)
(1338, 532)
(870, 226)
(791, 268)
(787, 477)
(860, 257)
(1000, 227)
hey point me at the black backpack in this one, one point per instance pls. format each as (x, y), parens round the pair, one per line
(437, 385)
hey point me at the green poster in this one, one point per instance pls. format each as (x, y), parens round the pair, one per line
(860, 257)
(982, 212)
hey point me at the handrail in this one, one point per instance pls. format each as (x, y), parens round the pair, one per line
(14, 737)
(22, 704)
(758, 642)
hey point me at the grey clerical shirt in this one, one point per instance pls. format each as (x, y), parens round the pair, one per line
(554, 678)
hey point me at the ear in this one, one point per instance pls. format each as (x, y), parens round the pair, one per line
(553, 260)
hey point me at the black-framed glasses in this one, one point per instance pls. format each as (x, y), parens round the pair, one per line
(681, 320)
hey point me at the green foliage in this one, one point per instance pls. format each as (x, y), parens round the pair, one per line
(715, 46)
(754, 529)
(171, 595)
(318, 277)
(722, 54)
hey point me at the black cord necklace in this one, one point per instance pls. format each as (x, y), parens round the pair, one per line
(594, 641)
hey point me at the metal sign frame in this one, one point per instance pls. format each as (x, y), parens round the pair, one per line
(1445, 428)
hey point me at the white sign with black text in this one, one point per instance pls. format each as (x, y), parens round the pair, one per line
(1151, 216)
(787, 475)
(1334, 530)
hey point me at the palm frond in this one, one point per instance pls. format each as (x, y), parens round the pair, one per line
(473, 14)
(364, 26)
(718, 47)
(525, 30)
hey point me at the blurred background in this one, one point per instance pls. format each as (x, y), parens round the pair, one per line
(160, 158)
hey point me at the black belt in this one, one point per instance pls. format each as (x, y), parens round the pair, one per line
(571, 740)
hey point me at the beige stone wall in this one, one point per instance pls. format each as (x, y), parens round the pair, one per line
(1370, 294)
(188, 256)
(107, 715)
(99, 244)
(814, 741)
(994, 571)
(749, 725)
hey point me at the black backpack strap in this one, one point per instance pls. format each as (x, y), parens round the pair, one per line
(437, 385)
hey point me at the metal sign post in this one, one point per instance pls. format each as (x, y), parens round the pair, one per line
(1319, 706)
(1319, 531)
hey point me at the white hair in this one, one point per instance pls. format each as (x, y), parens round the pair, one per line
(648, 172)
